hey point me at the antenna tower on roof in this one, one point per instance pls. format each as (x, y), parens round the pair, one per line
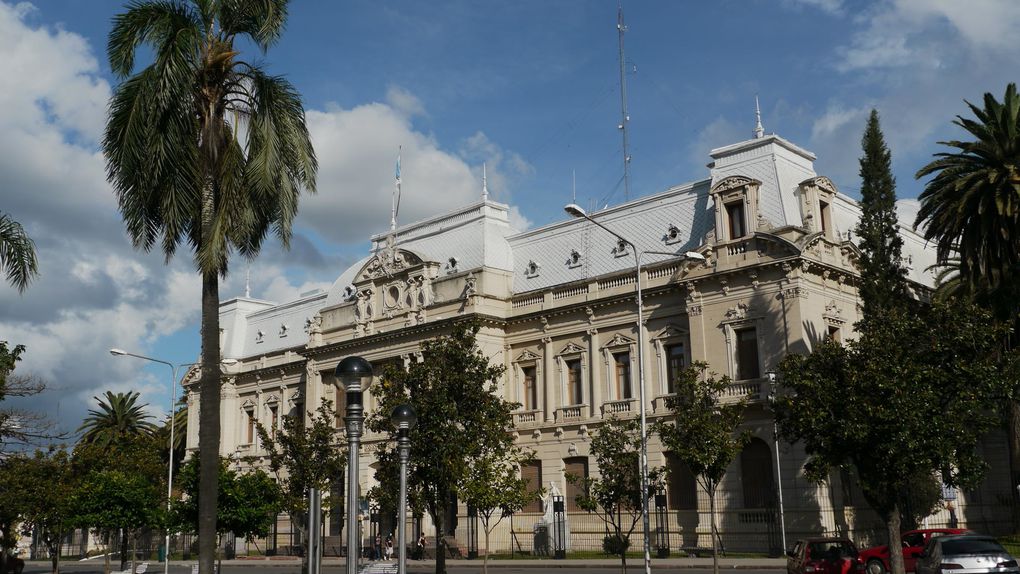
(625, 117)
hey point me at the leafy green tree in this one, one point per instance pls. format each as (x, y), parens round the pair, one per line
(616, 494)
(305, 456)
(897, 406)
(882, 273)
(17, 253)
(702, 433)
(47, 484)
(107, 500)
(20, 426)
(206, 149)
(117, 419)
(249, 501)
(494, 487)
(12, 505)
(460, 411)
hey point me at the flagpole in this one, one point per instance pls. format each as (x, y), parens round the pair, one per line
(396, 195)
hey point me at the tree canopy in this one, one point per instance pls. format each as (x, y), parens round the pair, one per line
(461, 414)
(17, 253)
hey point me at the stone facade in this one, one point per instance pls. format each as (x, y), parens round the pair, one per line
(557, 307)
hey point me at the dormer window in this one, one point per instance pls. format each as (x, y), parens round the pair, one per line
(816, 197)
(532, 269)
(736, 207)
(735, 219)
(825, 218)
(574, 260)
(621, 248)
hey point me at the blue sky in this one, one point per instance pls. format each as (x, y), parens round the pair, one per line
(529, 87)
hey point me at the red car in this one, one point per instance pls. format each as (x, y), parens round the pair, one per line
(876, 558)
(822, 556)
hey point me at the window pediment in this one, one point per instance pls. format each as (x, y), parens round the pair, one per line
(671, 331)
(248, 404)
(388, 263)
(618, 340)
(571, 349)
(526, 356)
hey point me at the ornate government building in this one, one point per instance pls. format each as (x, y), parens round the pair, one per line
(557, 308)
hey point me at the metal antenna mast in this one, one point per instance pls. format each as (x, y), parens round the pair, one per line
(625, 117)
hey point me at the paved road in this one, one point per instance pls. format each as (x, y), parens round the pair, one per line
(455, 567)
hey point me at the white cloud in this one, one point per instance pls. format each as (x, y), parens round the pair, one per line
(830, 6)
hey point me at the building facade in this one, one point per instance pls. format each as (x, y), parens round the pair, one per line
(557, 307)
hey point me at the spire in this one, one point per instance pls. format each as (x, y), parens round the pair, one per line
(759, 132)
(485, 185)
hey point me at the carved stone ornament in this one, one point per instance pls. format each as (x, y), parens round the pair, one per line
(470, 286)
(737, 313)
(571, 349)
(527, 355)
(619, 340)
(821, 182)
(832, 311)
(734, 182)
(590, 313)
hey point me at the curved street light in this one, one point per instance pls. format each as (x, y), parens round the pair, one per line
(173, 403)
(577, 211)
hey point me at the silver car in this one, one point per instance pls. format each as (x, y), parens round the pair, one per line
(965, 554)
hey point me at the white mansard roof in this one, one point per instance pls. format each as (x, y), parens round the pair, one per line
(480, 236)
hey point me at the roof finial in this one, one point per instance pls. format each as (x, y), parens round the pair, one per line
(485, 184)
(759, 132)
(247, 282)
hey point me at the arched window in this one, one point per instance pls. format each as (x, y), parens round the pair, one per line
(757, 475)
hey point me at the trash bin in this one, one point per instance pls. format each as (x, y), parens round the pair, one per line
(162, 552)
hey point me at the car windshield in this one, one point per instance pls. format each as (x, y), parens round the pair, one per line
(972, 546)
(830, 550)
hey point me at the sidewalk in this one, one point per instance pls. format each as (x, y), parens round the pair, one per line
(657, 563)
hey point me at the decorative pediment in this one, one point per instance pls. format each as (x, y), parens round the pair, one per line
(738, 312)
(671, 331)
(248, 404)
(821, 182)
(833, 313)
(734, 182)
(297, 397)
(526, 356)
(272, 399)
(571, 349)
(618, 340)
(389, 262)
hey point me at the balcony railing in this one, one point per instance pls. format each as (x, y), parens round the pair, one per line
(528, 417)
(570, 413)
(623, 406)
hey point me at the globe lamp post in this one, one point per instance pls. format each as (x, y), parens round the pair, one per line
(354, 377)
(404, 419)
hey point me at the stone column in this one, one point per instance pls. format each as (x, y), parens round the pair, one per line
(548, 383)
(229, 409)
(313, 391)
(595, 370)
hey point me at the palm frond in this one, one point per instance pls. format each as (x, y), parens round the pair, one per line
(17, 253)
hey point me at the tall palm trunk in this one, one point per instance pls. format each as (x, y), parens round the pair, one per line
(209, 423)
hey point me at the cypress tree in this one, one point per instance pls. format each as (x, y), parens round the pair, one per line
(882, 274)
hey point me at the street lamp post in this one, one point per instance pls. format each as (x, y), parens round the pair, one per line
(772, 376)
(354, 376)
(404, 419)
(173, 403)
(576, 211)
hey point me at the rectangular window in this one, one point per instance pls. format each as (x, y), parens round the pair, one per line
(250, 434)
(823, 213)
(676, 360)
(531, 472)
(530, 388)
(682, 488)
(274, 419)
(833, 334)
(735, 217)
(576, 466)
(299, 413)
(747, 354)
(622, 378)
(575, 383)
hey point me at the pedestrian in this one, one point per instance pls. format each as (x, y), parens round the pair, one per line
(421, 546)
(389, 547)
(378, 547)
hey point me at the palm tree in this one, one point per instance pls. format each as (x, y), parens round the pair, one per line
(971, 207)
(205, 149)
(117, 419)
(17, 253)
